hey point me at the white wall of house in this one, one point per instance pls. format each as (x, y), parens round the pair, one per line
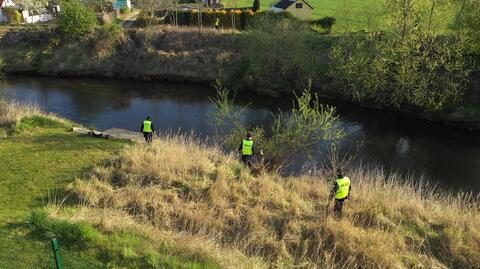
(35, 18)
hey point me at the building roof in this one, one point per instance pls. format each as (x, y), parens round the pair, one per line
(284, 4)
(5, 3)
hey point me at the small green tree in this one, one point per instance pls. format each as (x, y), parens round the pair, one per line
(307, 124)
(76, 20)
(256, 5)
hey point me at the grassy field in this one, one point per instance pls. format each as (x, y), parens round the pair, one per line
(351, 15)
(40, 157)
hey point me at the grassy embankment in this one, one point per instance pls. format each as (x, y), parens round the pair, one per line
(241, 62)
(40, 157)
(191, 191)
(185, 203)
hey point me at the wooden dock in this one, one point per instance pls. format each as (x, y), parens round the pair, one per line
(115, 133)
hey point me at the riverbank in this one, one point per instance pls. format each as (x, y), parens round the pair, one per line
(184, 202)
(186, 54)
(186, 187)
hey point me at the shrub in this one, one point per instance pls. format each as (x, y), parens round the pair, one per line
(326, 23)
(124, 10)
(280, 62)
(256, 5)
(145, 20)
(308, 123)
(425, 72)
(270, 22)
(77, 20)
(106, 38)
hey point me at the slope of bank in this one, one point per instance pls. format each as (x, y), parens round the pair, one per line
(267, 64)
(184, 187)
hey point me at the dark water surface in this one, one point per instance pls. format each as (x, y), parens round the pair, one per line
(447, 156)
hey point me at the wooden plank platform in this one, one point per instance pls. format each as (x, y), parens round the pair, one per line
(115, 133)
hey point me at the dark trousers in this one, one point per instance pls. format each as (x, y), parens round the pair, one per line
(337, 208)
(148, 137)
(247, 160)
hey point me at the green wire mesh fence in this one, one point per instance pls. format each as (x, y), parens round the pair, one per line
(29, 254)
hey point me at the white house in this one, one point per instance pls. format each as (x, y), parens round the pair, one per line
(299, 8)
(4, 4)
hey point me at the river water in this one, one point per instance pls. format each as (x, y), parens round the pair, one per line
(446, 156)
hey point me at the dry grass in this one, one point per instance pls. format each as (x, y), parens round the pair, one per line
(16, 117)
(193, 192)
(12, 112)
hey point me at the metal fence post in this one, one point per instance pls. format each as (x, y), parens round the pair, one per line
(56, 254)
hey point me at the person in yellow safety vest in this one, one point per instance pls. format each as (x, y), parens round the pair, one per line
(147, 129)
(341, 191)
(247, 150)
(217, 23)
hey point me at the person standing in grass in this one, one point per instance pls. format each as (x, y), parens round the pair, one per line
(147, 129)
(247, 150)
(341, 191)
(217, 23)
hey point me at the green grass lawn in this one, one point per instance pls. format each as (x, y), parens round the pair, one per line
(351, 15)
(36, 165)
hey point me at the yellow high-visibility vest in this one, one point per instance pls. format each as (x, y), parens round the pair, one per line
(343, 188)
(247, 147)
(147, 126)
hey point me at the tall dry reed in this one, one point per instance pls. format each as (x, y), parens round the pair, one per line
(12, 112)
(183, 186)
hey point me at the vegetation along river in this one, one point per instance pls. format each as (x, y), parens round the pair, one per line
(446, 156)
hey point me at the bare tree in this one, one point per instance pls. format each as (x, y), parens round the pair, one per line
(151, 6)
(38, 6)
(102, 6)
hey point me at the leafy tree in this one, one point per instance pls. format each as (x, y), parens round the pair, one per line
(425, 72)
(256, 5)
(467, 21)
(307, 124)
(149, 7)
(76, 20)
(409, 63)
(102, 6)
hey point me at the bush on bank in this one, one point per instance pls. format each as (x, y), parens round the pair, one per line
(76, 20)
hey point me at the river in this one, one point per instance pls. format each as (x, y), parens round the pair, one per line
(448, 157)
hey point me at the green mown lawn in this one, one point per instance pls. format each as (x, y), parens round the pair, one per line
(351, 15)
(34, 166)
